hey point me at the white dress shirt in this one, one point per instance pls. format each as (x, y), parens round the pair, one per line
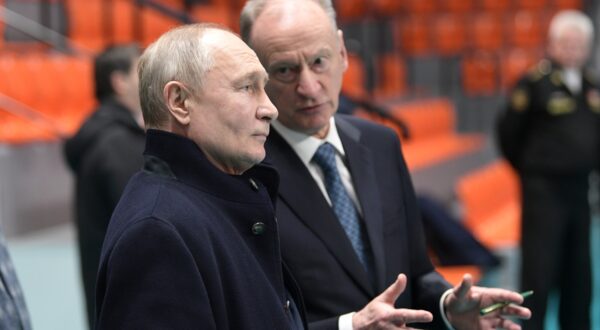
(572, 79)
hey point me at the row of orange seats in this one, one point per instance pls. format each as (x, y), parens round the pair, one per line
(486, 73)
(450, 34)
(44, 93)
(124, 21)
(352, 10)
(483, 73)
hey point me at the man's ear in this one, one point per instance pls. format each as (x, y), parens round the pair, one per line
(175, 96)
(343, 51)
(117, 81)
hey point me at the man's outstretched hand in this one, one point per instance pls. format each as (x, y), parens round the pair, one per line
(462, 307)
(380, 313)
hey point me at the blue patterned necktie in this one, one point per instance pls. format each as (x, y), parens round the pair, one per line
(342, 205)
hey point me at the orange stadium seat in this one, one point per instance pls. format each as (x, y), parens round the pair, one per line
(214, 14)
(486, 32)
(514, 63)
(350, 9)
(480, 74)
(568, 4)
(412, 35)
(449, 34)
(490, 197)
(390, 76)
(419, 7)
(48, 82)
(531, 4)
(353, 83)
(496, 6)
(386, 7)
(154, 24)
(81, 99)
(123, 21)
(85, 23)
(457, 6)
(525, 30)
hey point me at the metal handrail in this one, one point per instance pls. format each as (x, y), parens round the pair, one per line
(14, 107)
(41, 32)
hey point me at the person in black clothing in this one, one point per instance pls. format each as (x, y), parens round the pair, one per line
(104, 154)
(550, 133)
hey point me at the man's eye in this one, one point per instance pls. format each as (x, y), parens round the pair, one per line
(320, 64)
(285, 74)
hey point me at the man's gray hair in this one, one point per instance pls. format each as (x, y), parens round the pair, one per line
(571, 18)
(254, 8)
(178, 55)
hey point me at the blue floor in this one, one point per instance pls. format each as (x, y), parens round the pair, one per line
(47, 266)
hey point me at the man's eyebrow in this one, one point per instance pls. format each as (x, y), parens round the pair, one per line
(252, 76)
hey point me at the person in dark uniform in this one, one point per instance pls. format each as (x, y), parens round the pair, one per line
(104, 154)
(550, 133)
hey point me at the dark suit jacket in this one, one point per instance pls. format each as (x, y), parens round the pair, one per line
(190, 247)
(315, 246)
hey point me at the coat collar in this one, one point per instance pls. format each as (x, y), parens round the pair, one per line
(188, 164)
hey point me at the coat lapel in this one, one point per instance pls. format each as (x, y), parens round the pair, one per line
(302, 195)
(362, 169)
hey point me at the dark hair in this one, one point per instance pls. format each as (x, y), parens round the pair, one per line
(114, 58)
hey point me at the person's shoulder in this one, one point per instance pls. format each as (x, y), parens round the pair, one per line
(148, 195)
(366, 127)
(537, 74)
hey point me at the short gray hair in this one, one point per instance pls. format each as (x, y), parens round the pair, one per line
(571, 18)
(254, 8)
(178, 55)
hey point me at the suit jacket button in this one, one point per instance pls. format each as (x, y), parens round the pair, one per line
(258, 228)
(253, 184)
(286, 306)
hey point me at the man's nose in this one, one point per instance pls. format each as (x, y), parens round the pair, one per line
(266, 109)
(308, 84)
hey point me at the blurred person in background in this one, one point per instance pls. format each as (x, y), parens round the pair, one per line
(104, 154)
(349, 222)
(193, 242)
(550, 133)
(13, 311)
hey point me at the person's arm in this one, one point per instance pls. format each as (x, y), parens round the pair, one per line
(149, 280)
(512, 124)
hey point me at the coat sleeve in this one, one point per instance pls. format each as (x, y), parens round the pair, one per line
(512, 124)
(149, 280)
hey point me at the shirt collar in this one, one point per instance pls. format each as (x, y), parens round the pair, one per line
(305, 145)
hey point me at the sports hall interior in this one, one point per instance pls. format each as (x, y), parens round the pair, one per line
(436, 71)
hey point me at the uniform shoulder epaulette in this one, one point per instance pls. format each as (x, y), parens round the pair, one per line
(541, 69)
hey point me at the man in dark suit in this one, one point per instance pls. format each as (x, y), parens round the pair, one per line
(193, 241)
(104, 154)
(550, 133)
(347, 211)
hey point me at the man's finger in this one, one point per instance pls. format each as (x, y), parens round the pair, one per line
(393, 291)
(464, 286)
(401, 317)
(516, 311)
